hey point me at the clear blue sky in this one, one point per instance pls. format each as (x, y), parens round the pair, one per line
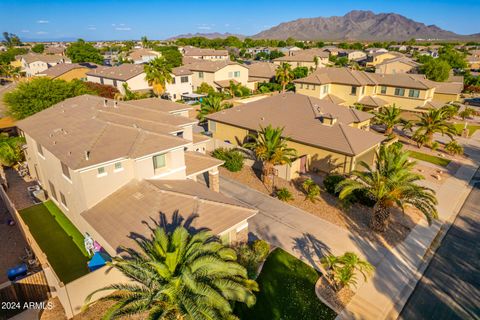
(119, 19)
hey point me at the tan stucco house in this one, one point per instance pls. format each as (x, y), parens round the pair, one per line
(34, 63)
(204, 54)
(217, 74)
(310, 58)
(259, 72)
(131, 74)
(326, 136)
(70, 71)
(397, 65)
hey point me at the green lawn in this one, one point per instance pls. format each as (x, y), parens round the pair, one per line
(429, 158)
(471, 128)
(287, 291)
(59, 239)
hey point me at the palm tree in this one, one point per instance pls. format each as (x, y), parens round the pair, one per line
(341, 270)
(211, 104)
(391, 183)
(235, 89)
(389, 117)
(271, 148)
(433, 121)
(145, 42)
(158, 74)
(284, 74)
(178, 275)
(11, 150)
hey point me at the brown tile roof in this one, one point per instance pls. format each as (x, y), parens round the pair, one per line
(209, 66)
(197, 138)
(160, 104)
(122, 72)
(197, 162)
(262, 70)
(404, 60)
(360, 78)
(48, 58)
(191, 51)
(181, 71)
(83, 124)
(304, 55)
(62, 68)
(225, 83)
(139, 53)
(333, 99)
(448, 87)
(128, 210)
(300, 116)
(54, 50)
(373, 102)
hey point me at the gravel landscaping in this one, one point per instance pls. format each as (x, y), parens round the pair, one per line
(355, 218)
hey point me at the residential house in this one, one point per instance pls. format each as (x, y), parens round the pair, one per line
(131, 74)
(352, 55)
(256, 50)
(326, 136)
(116, 168)
(182, 83)
(70, 71)
(372, 51)
(473, 59)
(349, 87)
(204, 54)
(290, 50)
(259, 72)
(58, 50)
(34, 63)
(397, 65)
(430, 52)
(217, 74)
(141, 56)
(332, 50)
(378, 57)
(398, 47)
(310, 58)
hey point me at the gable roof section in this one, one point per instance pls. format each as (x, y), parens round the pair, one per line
(122, 72)
(210, 66)
(81, 125)
(264, 70)
(62, 68)
(299, 116)
(48, 58)
(128, 210)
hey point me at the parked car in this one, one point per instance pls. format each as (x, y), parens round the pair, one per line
(472, 102)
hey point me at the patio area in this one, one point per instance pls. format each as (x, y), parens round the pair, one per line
(59, 240)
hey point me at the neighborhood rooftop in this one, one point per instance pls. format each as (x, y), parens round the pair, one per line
(122, 72)
(300, 116)
(85, 131)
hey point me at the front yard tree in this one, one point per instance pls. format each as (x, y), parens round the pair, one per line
(436, 70)
(179, 275)
(391, 182)
(341, 270)
(38, 48)
(389, 117)
(38, 94)
(284, 75)
(431, 122)
(82, 51)
(158, 74)
(11, 150)
(271, 148)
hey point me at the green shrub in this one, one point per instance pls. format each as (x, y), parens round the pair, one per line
(251, 255)
(361, 196)
(331, 181)
(434, 146)
(283, 194)
(233, 158)
(312, 190)
(454, 148)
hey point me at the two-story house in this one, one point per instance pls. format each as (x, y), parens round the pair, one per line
(349, 87)
(181, 84)
(204, 54)
(110, 166)
(34, 63)
(131, 74)
(217, 74)
(310, 58)
(141, 56)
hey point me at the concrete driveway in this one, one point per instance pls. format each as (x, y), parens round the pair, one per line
(302, 234)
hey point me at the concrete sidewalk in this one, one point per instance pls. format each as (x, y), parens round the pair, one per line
(383, 296)
(302, 234)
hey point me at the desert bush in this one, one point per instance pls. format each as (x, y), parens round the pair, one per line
(330, 183)
(251, 255)
(341, 270)
(311, 189)
(233, 158)
(454, 148)
(283, 194)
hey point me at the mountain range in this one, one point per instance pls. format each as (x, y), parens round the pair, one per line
(355, 25)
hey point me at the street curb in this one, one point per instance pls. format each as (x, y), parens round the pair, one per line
(402, 299)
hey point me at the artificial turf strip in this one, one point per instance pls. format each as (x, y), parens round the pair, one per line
(429, 158)
(66, 259)
(287, 291)
(66, 225)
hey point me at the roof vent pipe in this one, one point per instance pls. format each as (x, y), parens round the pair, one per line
(87, 155)
(115, 104)
(105, 102)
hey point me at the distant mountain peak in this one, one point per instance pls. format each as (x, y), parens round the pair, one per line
(209, 35)
(357, 25)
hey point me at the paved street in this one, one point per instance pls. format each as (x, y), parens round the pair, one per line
(304, 235)
(450, 287)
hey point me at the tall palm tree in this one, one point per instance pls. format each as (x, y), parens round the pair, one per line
(271, 148)
(433, 121)
(388, 116)
(391, 183)
(145, 42)
(158, 74)
(179, 275)
(284, 74)
(211, 104)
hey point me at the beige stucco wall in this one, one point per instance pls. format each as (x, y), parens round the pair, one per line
(393, 68)
(380, 58)
(446, 98)
(79, 73)
(178, 88)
